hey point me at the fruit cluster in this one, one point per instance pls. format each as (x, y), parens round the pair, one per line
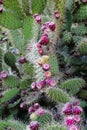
(1, 6)
(35, 111)
(44, 40)
(72, 111)
(43, 61)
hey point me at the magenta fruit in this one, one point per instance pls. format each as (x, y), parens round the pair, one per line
(77, 110)
(46, 67)
(31, 110)
(56, 14)
(22, 60)
(23, 105)
(74, 127)
(37, 18)
(34, 125)
(76, 103)
(77, 119)
(39, 46)
(52, 82)
(52, 26)
(68, 105)
(40, 112)
(40, 51)
(33, 86)
(40, 84)
(44, 40)
(48, 81)
(67, 111)
(36, 106)
(3, 75)
(69, 121)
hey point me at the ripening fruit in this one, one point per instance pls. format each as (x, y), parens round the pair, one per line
(40, 61)
(33, 116)
(45, 58)
(47, 74)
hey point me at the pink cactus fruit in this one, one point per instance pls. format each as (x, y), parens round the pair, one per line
(69, 121)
